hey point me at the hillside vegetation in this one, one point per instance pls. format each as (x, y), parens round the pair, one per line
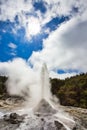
(71, 91)
(3, 91)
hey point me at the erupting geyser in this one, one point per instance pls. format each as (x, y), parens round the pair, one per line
(45, 85)
(45, 116)
(45, 105)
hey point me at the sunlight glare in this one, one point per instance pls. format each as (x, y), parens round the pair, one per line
(33, 26)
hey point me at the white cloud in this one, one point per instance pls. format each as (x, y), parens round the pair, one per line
(65, 7)
(11, 8)
(66, 47)
(58, 8)
(12, 45)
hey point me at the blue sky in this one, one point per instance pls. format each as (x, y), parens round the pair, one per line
(50, 31)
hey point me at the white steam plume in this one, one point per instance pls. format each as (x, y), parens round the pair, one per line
(22, 80)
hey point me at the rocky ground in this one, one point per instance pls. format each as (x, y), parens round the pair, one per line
(79, 115)
(13, 121)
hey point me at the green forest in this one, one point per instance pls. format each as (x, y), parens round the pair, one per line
(3, 91)
(70, 91)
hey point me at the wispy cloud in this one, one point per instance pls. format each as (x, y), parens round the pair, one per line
(13, 48)
(12, 45)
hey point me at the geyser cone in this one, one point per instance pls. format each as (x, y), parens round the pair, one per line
(44, 107)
